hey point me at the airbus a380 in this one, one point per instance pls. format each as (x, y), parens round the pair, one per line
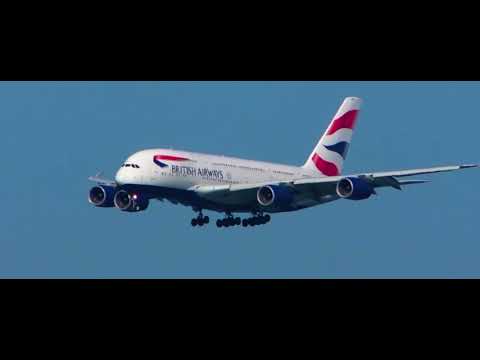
(231, 185)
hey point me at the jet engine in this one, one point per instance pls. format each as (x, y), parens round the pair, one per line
(130, 202)
(102, 196)
(274, 196)
(354, 189)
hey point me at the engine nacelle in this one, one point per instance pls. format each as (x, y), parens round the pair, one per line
(354, 189)
(102, 196)
(274, 196)
(131, 202)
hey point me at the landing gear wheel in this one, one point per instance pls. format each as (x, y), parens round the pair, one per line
(238, 221)
(194, 222)
(206, 219)
(219, 223)
(245, 222)
(267, 218)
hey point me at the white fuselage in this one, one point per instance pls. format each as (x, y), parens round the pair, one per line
(200, 169)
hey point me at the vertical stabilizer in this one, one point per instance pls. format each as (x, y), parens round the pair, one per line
(331, 151)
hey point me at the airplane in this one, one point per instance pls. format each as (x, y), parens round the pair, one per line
(232, 185)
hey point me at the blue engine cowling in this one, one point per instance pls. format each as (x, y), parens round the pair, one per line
(354, 189)
(130, 202)
(102, 196)
(274, 196)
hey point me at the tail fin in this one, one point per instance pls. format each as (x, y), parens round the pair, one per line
(331, 151)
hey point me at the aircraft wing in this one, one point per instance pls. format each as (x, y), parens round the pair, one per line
(387, 178)
(321, 186)
(101, 181)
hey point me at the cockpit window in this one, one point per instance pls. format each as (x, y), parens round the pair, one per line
(131, 165)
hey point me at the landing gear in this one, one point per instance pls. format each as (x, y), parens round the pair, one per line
(229, 221)
(200, 220)
(253, 221)
(256, 220)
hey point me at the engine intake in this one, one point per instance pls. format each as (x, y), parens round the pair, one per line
(130, 202)
(102, 196)
(274, 196)
(354, 189)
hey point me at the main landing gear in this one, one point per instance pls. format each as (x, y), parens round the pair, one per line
(200, 220)
(230, 220)
(256, 220)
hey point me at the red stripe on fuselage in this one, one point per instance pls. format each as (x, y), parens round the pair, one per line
(346, 121)
(325, 167)
(169, 157)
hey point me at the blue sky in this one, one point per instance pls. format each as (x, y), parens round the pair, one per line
(56, 134)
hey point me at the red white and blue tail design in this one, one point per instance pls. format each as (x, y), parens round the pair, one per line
(331, 151)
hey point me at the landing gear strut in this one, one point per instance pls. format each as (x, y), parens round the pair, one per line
(200, 220)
